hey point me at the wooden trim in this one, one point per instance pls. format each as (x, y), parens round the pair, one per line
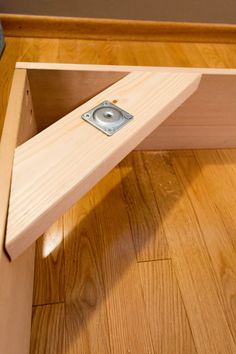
(113, 29)
(124, 68)
(16, 285)
(71, 156)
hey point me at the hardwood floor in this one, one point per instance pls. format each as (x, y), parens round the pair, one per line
(146, 261)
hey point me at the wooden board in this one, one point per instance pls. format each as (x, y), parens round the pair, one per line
(16, 286)
(66, 92)
(126, 68)
(206, 120)
(59, 176)
(211, 123)
(115, 29)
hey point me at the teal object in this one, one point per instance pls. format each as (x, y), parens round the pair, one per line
(2, 42)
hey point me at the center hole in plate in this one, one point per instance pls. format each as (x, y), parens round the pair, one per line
(108, 115)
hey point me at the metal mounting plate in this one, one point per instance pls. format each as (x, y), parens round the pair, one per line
(107, 117)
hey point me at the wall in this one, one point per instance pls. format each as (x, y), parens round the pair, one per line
(217, 11)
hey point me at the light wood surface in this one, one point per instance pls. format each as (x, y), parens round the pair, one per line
(41, 66)
(206, 120)
(59, 176)
(16, 286)
(210, 125)
(67, 90)
(112, 29)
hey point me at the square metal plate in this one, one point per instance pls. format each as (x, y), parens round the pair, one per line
(107, 117)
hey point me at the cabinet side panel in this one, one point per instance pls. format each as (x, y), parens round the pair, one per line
(16, 277)
(207, 120)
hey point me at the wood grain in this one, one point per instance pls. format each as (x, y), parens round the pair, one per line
(7, 65)
(206, 120)
(48, 331)
(167, 318)
(216, 236)
(144, 217)
(124, 298)
(228, 158)
(49, 266)
(129, 53)
(194, 271)
(98, 238)
(220, 184)
(16, 286)
(97, 65)
(87, 328)
(67, 91)
(52, 187)
(112, 29)
(211, 123)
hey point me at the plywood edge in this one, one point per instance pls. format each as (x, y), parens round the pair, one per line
(16, 286)
(9, 142)
(79, 155)
(115, 29)
(124, 68)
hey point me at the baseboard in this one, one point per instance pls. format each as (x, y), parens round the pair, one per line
(110, 29)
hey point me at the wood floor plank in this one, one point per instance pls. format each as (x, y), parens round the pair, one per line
(190, 259)
(166, 313)
(144, 218)
(48, 330)
(218, 174)
(128, 325)
(211, 56)
(49, 266)
(39, 50)
(86, 314)
(7, 64)
(217, 239)
(228, 159)
(101, 227)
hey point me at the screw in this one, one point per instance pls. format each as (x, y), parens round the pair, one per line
(127, 116)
